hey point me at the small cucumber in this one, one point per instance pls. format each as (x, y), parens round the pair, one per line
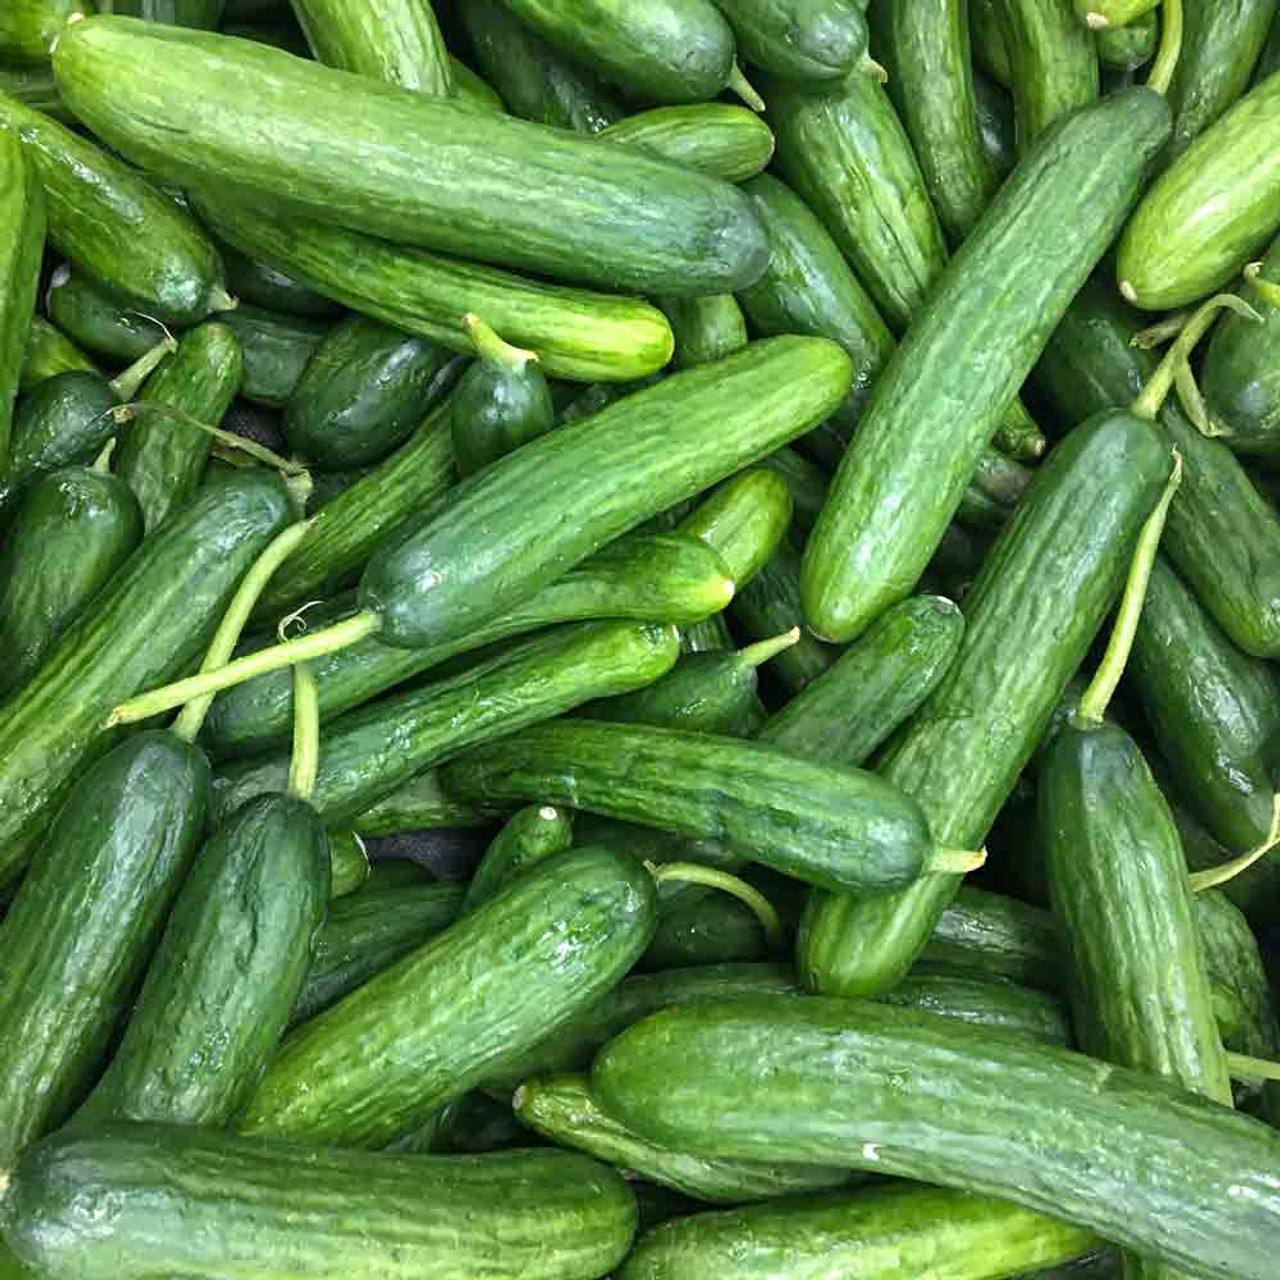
(743, 520)
(271, 290)
(277, 349)
(1131, 46)
(529, 836)
(96, 321)
(30, 28)
(705, 329)
(999, 936)
(718, 138)
(420, 805)
(22, 231)
(807, 40)
(48, 353)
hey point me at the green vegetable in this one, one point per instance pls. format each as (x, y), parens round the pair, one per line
(29, 28)
(96, 321)
(206, 14)
(744, 520)
(995, 120)
(800, 39)
(419, 805)
(1100, 14)
(263, 286)
(987, 32)
(22, 228)
(48, 353)
(705, 329)
(35, 86)
(529, 836)
(717, 138)
(1129, 47)
(469, 88)
(348, 862)
(277, 349)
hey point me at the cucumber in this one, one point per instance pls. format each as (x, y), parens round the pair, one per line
(807, 40)
(982, 1001)
(161, 459)
(416, 165)
(577, 334)
(348, 863)
(469, 88)
(30, 28)
(398, 872)
(807, 484)
(109, 222)
(85, 921)
(705, 329)
(420, 805)
(35, 86)
(528, 837)
(815, 1080)
(48, 353)
(148, 624)
(995, 120)
(706, 931)
(177, 1198)
(915, 452)
(206, 14)
(397, 41)
(997, 936)
(420, 1034)
(72, 530)
(1129, 47)
(875, 1233)
(1102, 14)
(271, 290)
(990, 53)
(1269, 59)
(744, 521)
(718, 138)
(963, 751)
(277, 349)
(1100, 1264)
(96, 321)
(22, 221)
(1214, 209)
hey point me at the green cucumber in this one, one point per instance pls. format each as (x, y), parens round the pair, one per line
(151, 620)
(899, 485)
(1101, 14)
(420, 805)
(277, 349)
(807, 483)
(998, 936)
(29, 29)
(286, 35)
(980, 1000)
(577, 334)
(205, 14)
(1213, 210)
(396, 41)
(1067, 547)
(48, 353)
(22, 222)
(808, 40)
(874, 1234)
(177, 1200)
(85, 921)
(529, 836)
(471, 89)
(35, 86)
(134, 241)
(161, 459)
(1129, 47)
(718, 138)
(413, 169)
(561, 1108)
(397, 873)
(72, 530)
(263, 286)
(374, 1065)
(96, 321)
(816, 1080)
(705, 329)
(1269, 59)
(995, 120)
(706, 931)
(1100, 1264)
(348, 863)
(743, 520)
(986, 29)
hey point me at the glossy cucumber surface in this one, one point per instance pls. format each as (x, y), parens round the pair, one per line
(23, 219)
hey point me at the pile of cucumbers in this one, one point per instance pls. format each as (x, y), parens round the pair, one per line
(638, 639)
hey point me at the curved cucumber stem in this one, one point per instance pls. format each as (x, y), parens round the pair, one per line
(330, 640)
(126, 384)
(102, 463)
(1242, 1067)
(1211, 877)
(1157, 335)
(743, 87)
(1266, 289)
(956, 862)
(756, 655)
(489, 346)
(127, 412)
(694, 873)
(1097, 697)
(1166, 60)
(304, 763)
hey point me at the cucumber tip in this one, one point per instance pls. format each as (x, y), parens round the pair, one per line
(1128, 292)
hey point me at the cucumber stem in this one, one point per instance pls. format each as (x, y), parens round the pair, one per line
(127, 412)
(339, 636)
(102, 462)
(191, 719)
(743, 87)
(1097, 697)
(1157, 335)
(956, 862)
(1242, 1067)
(489, 346)
(756, 655)
(304, 762)
(1211, 877)
(695, 873)
(1266, 289)
(126, 384)
(1170, 49)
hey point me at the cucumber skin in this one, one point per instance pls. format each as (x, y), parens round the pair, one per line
(704, 329)
(995, 120)
(48, 353)
(276, 349)
(85, 921)
(71, 532)
(29, 28)
(857, 564)
(528, 837)
(262, 286)
(416, 167)
(557, 1216)
(806, 40)
(205, 14)
(1269, 59)
(35, 87)
(154, 618)
(1129, 47)
(374, 1066)
(348, 864)
(963, 751)
(714, 420)
(23, 220)
(163, 460)
(744, 520)
(420, 805)
(495, 410)
(97, 322)
(819, 1079)
(716, 138)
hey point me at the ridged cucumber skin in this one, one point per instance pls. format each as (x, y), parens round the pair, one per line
(23, 220)
(415, 169)
(818, 1079)
(232, 961)
(712, 421)
(925, 47)
(276, 348)
(370, 752)
(845, 153)
(805, 40)
(497, 408)
(704, 329)
(646, 577)
(29, 28)
(263, 286)
(999, 936)
(716, 138)
(35, 87)
(1131, 46)
(1222, 536)
(373, 1066)
(578, 334)
(86, 313)
(420, 805)
(396, 41)
(985, 1001)
(348, 863)
(111, 223)
(877, 684)
(964, 749)
(851, 830)
(154, 617)
(561, 1108)
(48, 353)
(204, 14)
(899, 486)
(529, 836)
(744, 520)
(71, 531)
(161, 1200)
(1212, 211)
(163, 460)
(82, 928)
(877, 1233)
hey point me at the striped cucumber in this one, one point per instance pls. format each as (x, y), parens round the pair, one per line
(718, 138)
(529, 836)
(30, 28)
(48, 353)
(95, 321)
(705, 329)
(22, 218)
(263, 286)
(743, 520)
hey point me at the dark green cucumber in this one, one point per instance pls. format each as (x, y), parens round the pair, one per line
(177, 1200)
(30, 28)
(96, 321)
(277, 349)
(924, 45)
(1269, 59)
(469, 88)
(848, 157)
(986, 29)
(163, 459)
(151, 620)
(706, 931)
(109, 222)
(22, 222)
(744, 521)
(807, 483)
(72, 530)
(35, 86)
(367, 932)
(1098, 1264)
(370, 752)
(815, 1080)
(420, 805)
(1101, 14)
(205, 14)
(875, 1233)
(995, 120)
(979, 999)
(718, 138)
(998, 936)
(851, 829)
(561, 1108)
(235, 951)
(397, 873)
(48, 353)
(807, 40)
(376, 1064)
(899, 485)
(361, 394)
(263, 286)
(414, 169)
(577, 334)
(705, 329)
(1066, 547)
(348, 863)
(1131, 46)
(84, 923)
(529, 836)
